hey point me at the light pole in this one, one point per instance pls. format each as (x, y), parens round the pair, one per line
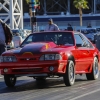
(94, 2)
(68, 7)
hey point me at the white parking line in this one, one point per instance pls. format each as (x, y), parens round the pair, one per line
(78, 97)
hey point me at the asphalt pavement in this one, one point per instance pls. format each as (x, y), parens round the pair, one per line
(28, 88)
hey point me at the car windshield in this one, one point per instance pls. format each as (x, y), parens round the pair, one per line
(59, 38)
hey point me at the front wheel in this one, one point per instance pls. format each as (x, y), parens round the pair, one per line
(10, 80)
(69, 77)
(95, 71)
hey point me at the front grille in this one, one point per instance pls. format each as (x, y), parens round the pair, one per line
(28, 59)
(27, 70)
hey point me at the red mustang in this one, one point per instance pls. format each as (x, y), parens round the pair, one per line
(45, 54)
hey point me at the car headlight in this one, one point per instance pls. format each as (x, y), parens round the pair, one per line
(8, 59)
(50, 57)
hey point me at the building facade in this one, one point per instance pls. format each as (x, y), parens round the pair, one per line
(62, 12)
(55, 7)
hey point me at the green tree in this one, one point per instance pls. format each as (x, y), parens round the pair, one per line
(81, 4)
(30, 10)
(28, 1)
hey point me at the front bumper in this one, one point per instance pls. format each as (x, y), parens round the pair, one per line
(42, 67)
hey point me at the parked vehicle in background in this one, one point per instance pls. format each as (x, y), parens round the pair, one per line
(98, 29)
(45, 54)
(17, 31)
(23, 32)
(89, 33)
(26, 32)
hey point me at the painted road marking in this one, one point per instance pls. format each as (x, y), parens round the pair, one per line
(78, 97)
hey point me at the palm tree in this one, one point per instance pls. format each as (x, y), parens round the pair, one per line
(81, 4)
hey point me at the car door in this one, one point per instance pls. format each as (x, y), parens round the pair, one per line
(83, 61)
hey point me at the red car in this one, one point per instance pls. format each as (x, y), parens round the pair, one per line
(45, 54)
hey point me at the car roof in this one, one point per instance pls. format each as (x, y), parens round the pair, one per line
(53, 32)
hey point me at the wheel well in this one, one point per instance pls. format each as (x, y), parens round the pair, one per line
(71, 58)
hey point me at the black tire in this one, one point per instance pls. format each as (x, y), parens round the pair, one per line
(95, 71)
(10, 80)
(69, 77)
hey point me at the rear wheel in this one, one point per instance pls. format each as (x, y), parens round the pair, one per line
(10, 80)
(69, 77)
(95, 71)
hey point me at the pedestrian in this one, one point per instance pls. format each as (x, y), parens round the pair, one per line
(5, 36)
(51, 26)
(17, 39)
(89, 25)
(69, 28)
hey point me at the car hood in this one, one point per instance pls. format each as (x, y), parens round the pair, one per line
(38, 48)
